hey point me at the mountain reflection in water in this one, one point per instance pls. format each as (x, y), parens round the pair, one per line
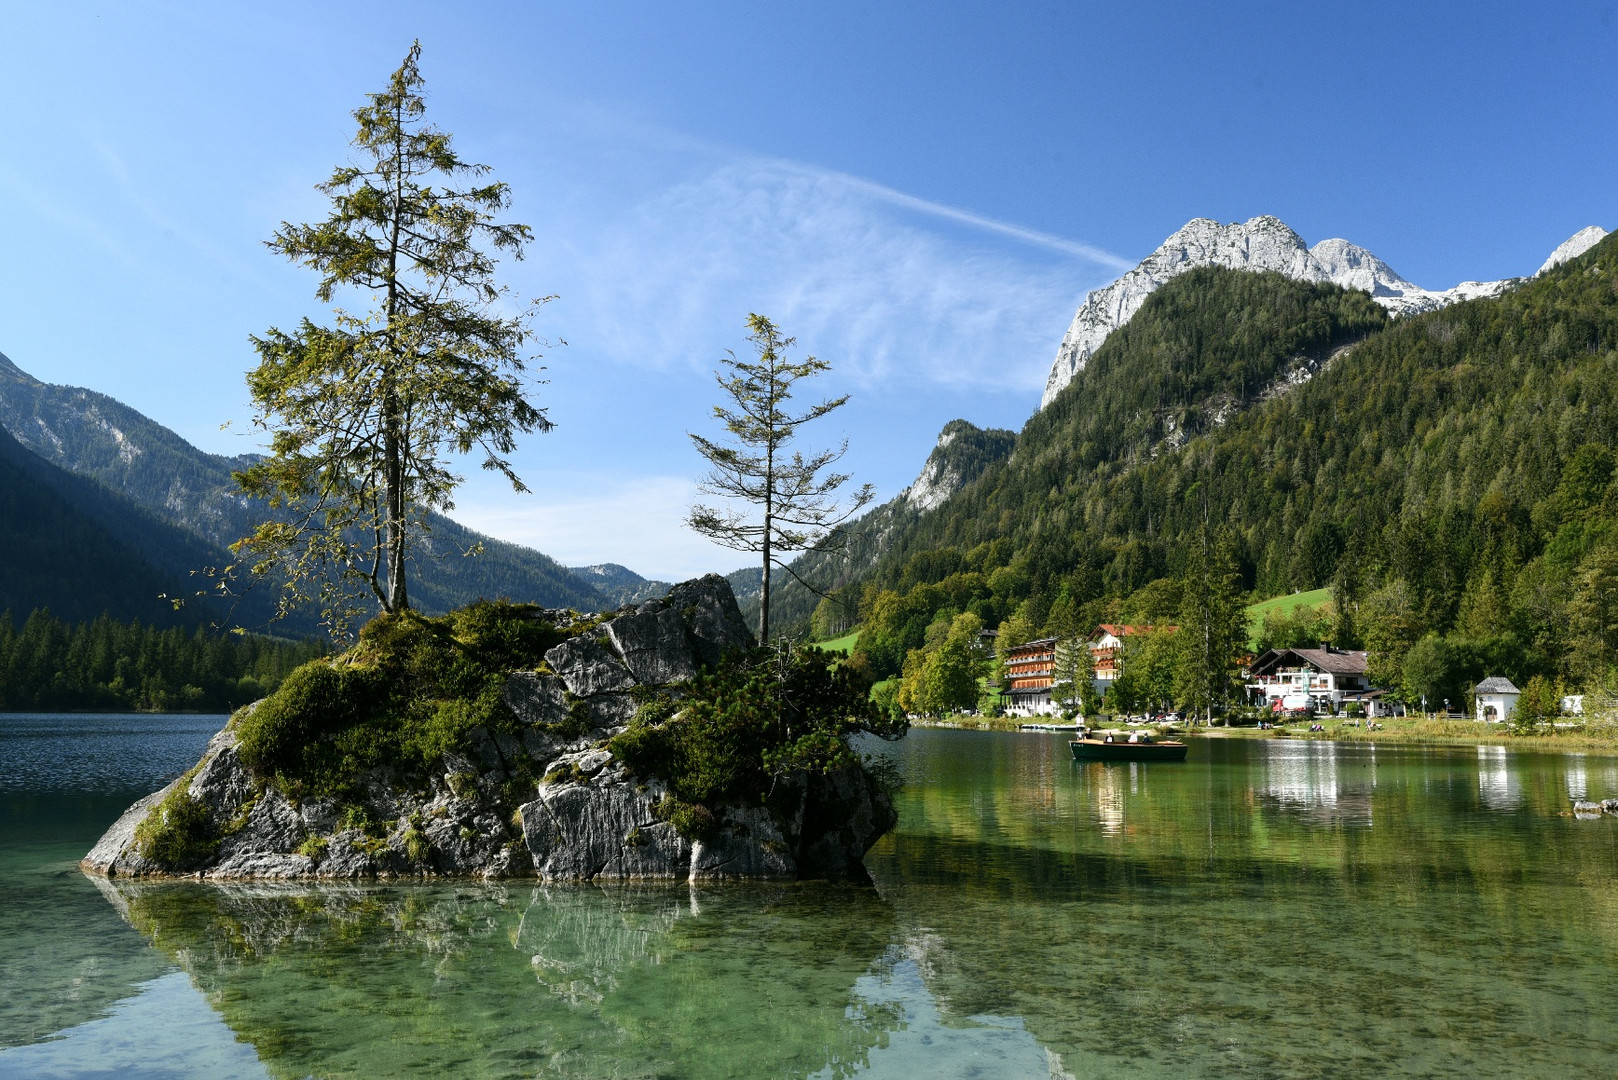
(1267, 908)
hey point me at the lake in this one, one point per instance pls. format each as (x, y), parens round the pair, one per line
(1267, 908)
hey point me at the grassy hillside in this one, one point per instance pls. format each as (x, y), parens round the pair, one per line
(844, 644)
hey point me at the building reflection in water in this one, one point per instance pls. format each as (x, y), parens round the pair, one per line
(1577, 785)
(1327, 783)
(1498, 787)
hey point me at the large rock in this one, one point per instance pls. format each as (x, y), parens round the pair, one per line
(483, 811)
(588, 666)
(596, 821)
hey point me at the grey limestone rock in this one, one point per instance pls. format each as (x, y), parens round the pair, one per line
(587, 666)
(535, 698)
(709, 609)
(602, 828)
(653, 644)
(592, 820)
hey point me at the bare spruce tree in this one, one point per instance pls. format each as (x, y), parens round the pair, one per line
(788, 502)
(365, 411)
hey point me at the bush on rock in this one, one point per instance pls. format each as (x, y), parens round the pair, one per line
(734, 732)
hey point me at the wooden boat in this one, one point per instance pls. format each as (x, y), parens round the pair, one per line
(1098, 749)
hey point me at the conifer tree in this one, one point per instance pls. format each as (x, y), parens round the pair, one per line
(367, 411)
(1213, 625)
(794, 507)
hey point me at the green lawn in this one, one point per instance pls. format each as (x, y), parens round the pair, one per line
(844, 644)
(1285, 605)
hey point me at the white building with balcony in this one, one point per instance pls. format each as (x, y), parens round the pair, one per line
(1308, 678)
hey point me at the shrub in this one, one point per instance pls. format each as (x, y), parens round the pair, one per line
(315, 702)
(758, 717)
(179, 832)
(691, 820)
(410, 691)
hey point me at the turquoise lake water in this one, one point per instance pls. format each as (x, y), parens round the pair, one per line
(1266, 909)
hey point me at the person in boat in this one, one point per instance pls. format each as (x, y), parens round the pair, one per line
(1134, 736)
(1108, 738)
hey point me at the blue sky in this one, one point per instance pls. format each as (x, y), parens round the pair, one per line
(922, 193)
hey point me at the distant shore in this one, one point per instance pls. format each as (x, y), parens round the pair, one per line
(1395, 729)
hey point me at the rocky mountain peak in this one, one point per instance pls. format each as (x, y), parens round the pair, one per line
(1574, 246)
(1260, 243)
(964, 450)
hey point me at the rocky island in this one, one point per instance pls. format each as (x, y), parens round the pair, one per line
(508, 740)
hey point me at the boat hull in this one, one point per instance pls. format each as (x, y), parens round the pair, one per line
(1096, 750)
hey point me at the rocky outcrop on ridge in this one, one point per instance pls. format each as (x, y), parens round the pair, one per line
(1262, 243)
(1573, 247)
(589, 818)
(964, 450)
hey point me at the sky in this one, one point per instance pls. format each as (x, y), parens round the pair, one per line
(921, 193)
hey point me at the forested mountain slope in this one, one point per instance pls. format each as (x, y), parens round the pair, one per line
(69, 544)
(1451, 473)
(96, 436)
(962, 453)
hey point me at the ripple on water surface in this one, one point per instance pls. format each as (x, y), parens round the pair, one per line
(1265, 909)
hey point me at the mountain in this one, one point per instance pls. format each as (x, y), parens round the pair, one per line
(1450, 472)
(619, 584)
(1263, 243)
(962, 453)
(96, 436)
(75, 547)
(1574, 246)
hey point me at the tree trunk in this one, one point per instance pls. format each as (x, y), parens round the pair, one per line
(764, 590)
(393, 467)
(394, 531)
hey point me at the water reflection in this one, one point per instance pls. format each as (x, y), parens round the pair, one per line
(533, 981)
(1234, 914)
(1329, 783)
(1498, 786)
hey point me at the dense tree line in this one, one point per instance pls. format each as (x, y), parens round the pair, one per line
(1451, 476)
(107, 665)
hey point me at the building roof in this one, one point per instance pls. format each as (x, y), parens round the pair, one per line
(1119, 630)
(1041, 645)
(1334, 661)
(1497, 684)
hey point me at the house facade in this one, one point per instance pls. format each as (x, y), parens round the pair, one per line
(1299, 679)
(1029, 672)
(1496, 699)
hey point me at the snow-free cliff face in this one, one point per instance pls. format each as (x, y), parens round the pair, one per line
(964, 450)
(1264, 243)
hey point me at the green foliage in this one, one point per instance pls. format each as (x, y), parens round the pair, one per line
(691, 820)
(1301, 627)
(1448, 473)
(732, 733)
(791, 501)
(1213, 627)
(107, 665)
(367, 414)
(943, 675)
(1539, 705)
(411, 690)
(179, 832)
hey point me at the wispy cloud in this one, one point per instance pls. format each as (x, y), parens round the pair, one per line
(890, 287)
(978, 221)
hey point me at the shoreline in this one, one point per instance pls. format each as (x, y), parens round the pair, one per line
(1394, 730)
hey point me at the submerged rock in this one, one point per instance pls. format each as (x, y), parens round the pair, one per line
(546, 799)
